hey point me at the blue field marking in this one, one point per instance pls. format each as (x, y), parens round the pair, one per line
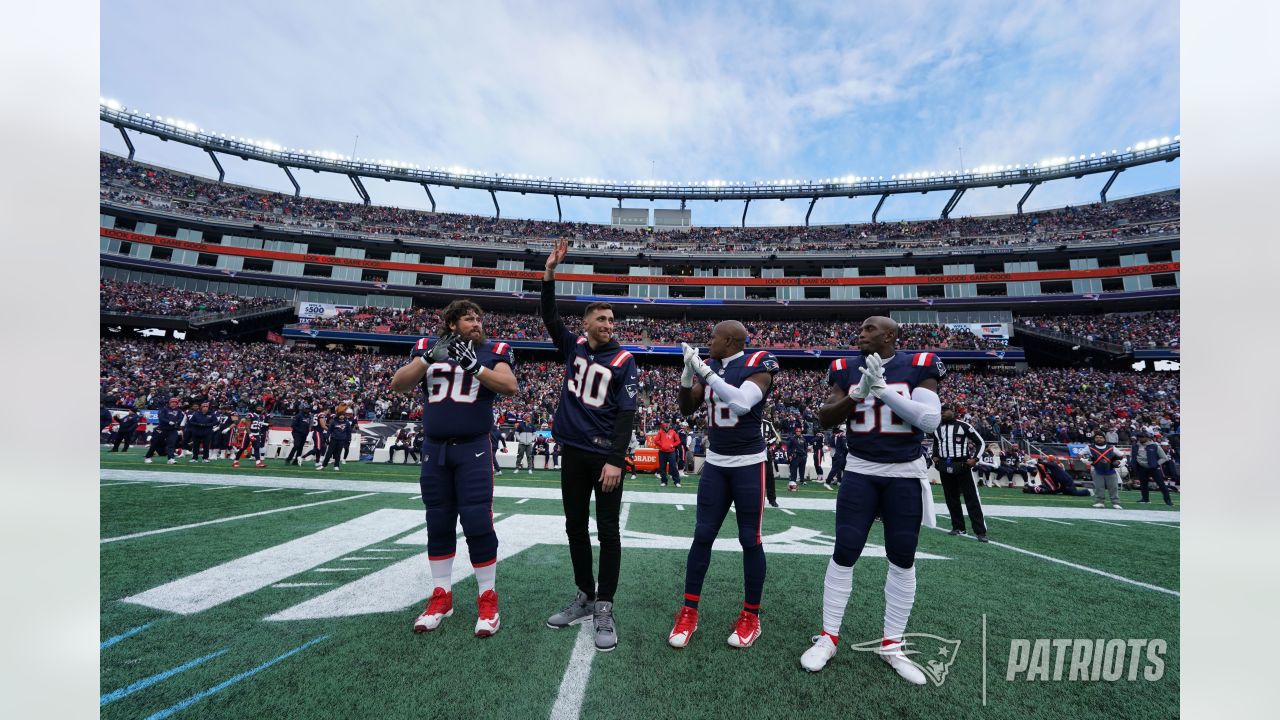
(183, 705)
(115, 695)
(122, 636)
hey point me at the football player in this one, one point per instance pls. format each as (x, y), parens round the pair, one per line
(734, 384)
(460, 374)
(888, 404)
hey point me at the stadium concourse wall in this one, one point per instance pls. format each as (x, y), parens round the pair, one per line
(301, 333)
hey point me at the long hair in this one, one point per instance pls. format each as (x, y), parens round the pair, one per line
(455, 311)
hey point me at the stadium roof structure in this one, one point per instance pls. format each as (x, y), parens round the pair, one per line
(1163, 149)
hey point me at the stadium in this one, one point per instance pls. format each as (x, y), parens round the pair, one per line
(249, 585)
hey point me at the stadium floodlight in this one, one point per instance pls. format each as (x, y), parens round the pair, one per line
(1164, 140)
(1177, 138)
(112, 104)
(1140, 146)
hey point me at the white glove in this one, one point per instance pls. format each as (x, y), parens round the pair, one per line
(873, 374)
(688, 351)
(686, 376)
(695, 363)
(862, 389)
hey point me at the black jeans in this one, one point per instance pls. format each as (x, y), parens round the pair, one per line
(956, 482)
(578, 479)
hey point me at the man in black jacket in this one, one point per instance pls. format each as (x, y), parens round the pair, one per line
(165, 437)
(299, 428)
(125, 431)
(200, 429)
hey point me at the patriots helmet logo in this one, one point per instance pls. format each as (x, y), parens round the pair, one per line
(932, 654)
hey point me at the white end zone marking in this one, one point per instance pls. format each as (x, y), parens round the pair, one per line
(250, 573)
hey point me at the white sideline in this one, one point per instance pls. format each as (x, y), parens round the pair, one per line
(573, 686)
(643, 497)
(118, 538)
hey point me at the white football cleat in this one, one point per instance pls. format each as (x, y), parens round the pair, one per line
(175, 462)
(147, 460)
(746, 630)
(897, 660)
(1098, 505)
(817, 657)
(488, 621)
(438, 608)
(1116, 507)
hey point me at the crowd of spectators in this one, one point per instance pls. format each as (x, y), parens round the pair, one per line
(1040, 405)
(123, 181)
(657, 331)
(138, 298)
(1156, 329)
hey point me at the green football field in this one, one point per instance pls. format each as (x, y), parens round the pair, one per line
(291, 593)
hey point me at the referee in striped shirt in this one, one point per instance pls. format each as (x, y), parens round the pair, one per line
(956, 446)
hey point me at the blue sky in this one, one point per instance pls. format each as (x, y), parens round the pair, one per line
(673, 91)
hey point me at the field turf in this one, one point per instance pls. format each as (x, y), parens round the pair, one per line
(1048, 573)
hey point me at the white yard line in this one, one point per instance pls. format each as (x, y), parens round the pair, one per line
(1056, 522)
(573, 686)
(1086, 568)
(342, 569)
(317, 492)
(270, 490)
(301, 584)
(1015, 522)
(680, 507)
(1175, 527)
(174, 485)
(522, 501)
(789, 512)
(223, 487)
(1104, 522)
(134, 482)
(228, 519)
(622, 516)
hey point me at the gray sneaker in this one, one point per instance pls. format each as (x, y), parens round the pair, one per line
(606, 636)
(576, 612)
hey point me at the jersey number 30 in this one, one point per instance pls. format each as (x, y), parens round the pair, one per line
(872, 415)
(589, 381)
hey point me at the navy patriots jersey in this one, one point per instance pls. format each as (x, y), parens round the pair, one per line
(170, 419)
(874, 433)
(455, 404)
(737, 434)
(259, 424)
(597, 386)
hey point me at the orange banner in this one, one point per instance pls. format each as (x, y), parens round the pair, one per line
(314, 259)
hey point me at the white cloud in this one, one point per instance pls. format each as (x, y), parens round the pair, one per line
(726, 90)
